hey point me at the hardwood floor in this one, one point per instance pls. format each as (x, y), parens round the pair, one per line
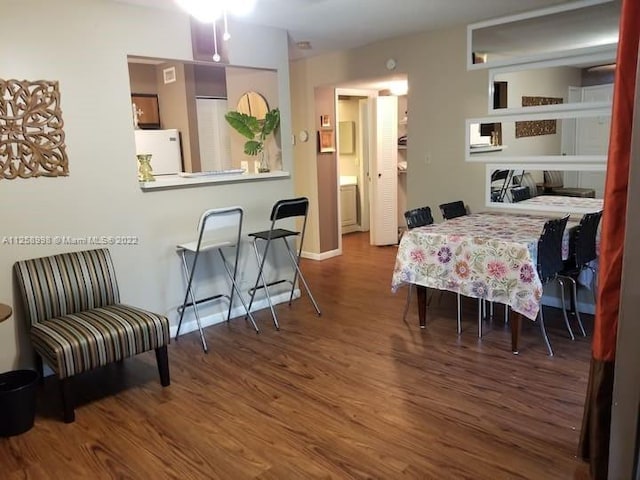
(355, 393)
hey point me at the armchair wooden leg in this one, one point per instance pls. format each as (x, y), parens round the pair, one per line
(162, 357)
(67, 400)
(39, 368)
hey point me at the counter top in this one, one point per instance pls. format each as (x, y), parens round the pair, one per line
(164, 182)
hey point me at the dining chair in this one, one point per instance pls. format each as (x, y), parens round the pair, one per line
(518, 194)
(219, 229)
(282, 210)
(417, 217)
(549, 264)
(527, 180)
(450, 211)
(453, 210)
(582, 252)
(500, 180)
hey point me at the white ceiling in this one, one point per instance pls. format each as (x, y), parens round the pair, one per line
(340, 24)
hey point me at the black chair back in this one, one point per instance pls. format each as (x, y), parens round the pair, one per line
(453, 210)
(293, 207)
(550, 249)
(418, 217)
(583, 245)
(519, 194)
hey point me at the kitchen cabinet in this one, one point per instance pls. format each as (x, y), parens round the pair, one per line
(348, 208)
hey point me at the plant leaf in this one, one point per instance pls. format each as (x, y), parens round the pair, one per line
(244, 124)
(253, 147)
(271, 122)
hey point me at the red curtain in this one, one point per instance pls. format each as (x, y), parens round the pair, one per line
(594, 441)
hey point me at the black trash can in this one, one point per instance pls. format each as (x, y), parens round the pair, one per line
(17, 401)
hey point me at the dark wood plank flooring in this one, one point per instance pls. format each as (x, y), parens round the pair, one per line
(355, 393)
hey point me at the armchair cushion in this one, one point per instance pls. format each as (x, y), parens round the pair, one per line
(82, 341)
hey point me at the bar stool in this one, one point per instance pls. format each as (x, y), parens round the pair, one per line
(218, 228)
(282, 209)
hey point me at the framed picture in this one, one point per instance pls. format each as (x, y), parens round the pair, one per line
(169, 75)
(325, 121)
(326, 141)
(146, 110)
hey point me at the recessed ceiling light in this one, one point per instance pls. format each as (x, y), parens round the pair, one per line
(304, 45)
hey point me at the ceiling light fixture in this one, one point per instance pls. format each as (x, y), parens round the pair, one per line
(210, 11)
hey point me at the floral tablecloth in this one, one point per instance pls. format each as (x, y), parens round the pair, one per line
(564, 202)
(485, 255)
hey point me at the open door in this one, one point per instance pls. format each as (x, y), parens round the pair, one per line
(383, 169)
(365, 175)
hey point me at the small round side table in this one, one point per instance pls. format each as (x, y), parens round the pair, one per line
(5, 312)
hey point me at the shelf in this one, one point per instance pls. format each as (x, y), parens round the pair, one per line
(402, 147)
(164, 182)
(487, 149)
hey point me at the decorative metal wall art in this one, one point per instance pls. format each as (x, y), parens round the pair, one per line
(31, 133)
(537, 127)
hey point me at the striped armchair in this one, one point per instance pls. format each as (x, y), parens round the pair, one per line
(77, 322)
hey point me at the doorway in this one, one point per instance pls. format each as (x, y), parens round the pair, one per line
(372, 194)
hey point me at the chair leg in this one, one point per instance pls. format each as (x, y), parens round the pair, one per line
(574, 291)
(459, 317)
(480, 309)
(189, 293)
(234, 288)
(162, 358)
(296, 261)
(564, 309)
(67, 400)
(261, 263)
(39, 368)
(544, 332)
(406, 304)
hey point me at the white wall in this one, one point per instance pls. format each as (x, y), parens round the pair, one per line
(442, 94)
(83, 44)
(548, 82)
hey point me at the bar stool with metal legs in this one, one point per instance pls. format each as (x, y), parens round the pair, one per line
(218, 229)
(283, 209)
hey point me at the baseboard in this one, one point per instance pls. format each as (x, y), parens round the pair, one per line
(322, 256)
(350, 229)
(191, 325)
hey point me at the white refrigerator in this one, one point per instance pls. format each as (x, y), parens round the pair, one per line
(164, 147)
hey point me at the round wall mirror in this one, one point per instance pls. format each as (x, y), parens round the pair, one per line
(252, 103)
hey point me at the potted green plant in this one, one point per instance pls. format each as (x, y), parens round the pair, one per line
(256, 131)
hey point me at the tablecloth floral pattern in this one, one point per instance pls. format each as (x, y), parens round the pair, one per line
(564, 202)
(486, 255)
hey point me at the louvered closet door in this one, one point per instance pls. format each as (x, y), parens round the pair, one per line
(384, 170)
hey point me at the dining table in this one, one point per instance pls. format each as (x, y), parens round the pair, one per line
(490, 256)
(569, 203)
